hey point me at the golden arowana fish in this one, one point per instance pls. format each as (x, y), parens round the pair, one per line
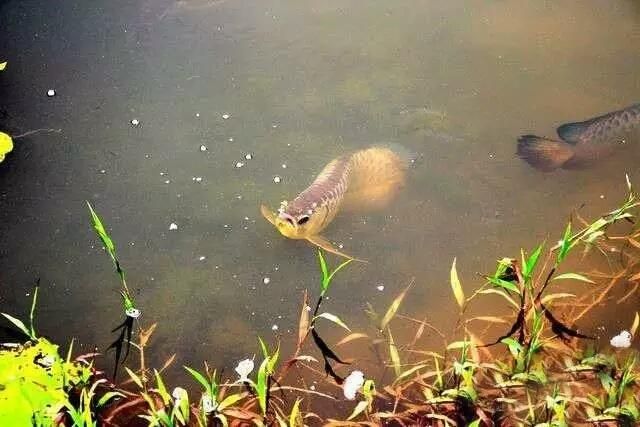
(364, 180)
(582, 143)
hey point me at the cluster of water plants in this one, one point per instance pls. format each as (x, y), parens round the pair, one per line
(525, 366)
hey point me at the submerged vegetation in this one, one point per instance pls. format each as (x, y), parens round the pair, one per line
(531, 366)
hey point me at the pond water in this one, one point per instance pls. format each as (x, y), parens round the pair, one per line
(297, 84)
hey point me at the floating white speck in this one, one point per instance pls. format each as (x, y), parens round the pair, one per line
(202, 258)
(266, 280)
(284, 166)
(167, 181)
(230, 139)
(274, 328)
(163, 173)
(135, 122)
(196, 178)
(103, 171)
(173, 226)
(622, 340)
(380, 288)
(239, 164)
(248, 156)
(275, 125)
(246, 218)
(225, 116)
(197, 114)
(352, 384)
(277, 179)
(312, 387)
(51, 92)
(340, 246)
(203, 147)
(308, 308)
(602, 196)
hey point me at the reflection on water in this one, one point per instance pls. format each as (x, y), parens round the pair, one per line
(294, 85)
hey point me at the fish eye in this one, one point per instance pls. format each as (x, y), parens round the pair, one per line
(303, 219)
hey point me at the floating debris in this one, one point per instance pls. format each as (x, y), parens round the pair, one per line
(196, 178)
(51, 93)
(284, 166)
(167, 181)
(380, 287)
(225, 116)
(277, 179)
(203, 147)
(239, 164)
(197, 114)
(248, 156)
(266, 280)
(274, 328)
(352, 384)
(135, 122)
(173, 226)
(244, 368)
(230, 139)
(622, 340)
(202, 258)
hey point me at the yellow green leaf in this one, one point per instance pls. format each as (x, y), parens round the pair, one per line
(361, 406)
(393, 308)
(636, 322)
(456, 286)
(3, 65)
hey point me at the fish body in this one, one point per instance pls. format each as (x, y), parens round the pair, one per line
(365, 180)
(582, 143)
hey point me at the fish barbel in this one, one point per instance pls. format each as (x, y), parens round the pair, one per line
(582, 143)
(365, 180)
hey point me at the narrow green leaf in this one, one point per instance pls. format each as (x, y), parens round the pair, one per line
(393, 354)
(136, 379)
(393, 308)
(33, 309)
(202, 380)
(458, 293)
(295, 418)
(261, 386)
(263, 346)
(108, 396)
(566, 244)
(333, 318)
(574, 276)
(18, 323)
(532, 261)
(324, 270)
(162, 390)
(230, 400)
(509, 286)
(360, 407)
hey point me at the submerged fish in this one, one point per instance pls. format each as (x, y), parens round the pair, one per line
(582, 143)
(367, 179)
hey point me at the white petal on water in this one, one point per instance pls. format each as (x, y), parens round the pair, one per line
(622, 340)
(239, 164)
(173, 226)
(266, 280)
(352, 384)
(277, 179)
(51, 92)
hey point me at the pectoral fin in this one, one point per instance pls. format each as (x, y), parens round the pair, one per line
(323, 243)
(268, 214)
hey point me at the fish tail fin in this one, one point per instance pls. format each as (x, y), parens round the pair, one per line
(543, 153)
(376, 175)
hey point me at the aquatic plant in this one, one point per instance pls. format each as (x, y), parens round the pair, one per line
(530, 367)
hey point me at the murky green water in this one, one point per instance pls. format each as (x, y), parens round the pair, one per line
(301, 82)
